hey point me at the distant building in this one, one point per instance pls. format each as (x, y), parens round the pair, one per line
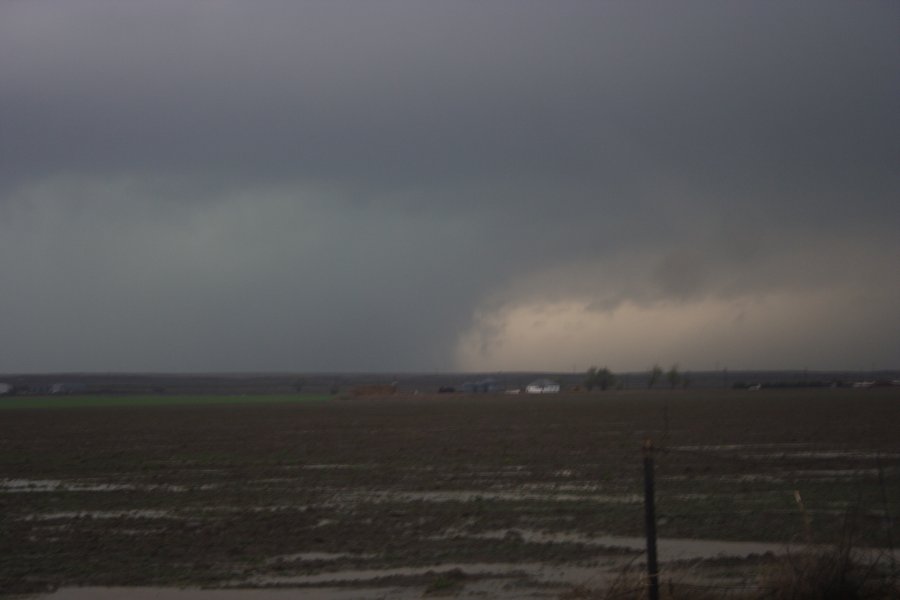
(543, 386)
(485, 386)
(5, 388)
(68, 388)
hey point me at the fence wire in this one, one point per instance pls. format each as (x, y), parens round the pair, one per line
(833, 502)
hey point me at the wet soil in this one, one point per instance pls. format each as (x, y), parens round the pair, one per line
(490, 496)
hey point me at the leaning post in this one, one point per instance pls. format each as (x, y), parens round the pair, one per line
(650, 522)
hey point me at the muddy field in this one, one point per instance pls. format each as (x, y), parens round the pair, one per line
(466, 496)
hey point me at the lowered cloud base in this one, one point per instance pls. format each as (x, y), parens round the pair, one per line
(434, 186)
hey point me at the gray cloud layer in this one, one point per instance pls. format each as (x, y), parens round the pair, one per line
(345, 185)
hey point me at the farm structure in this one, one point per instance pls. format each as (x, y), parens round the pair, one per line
(485, 386)
(543, 386)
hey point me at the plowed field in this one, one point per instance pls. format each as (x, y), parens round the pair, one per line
(478, 495)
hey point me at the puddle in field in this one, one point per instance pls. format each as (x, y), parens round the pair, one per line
(57, 485)
(787, 450)
(753, 478)
(742, 478)
(101, 514)
(733, 447)
(146, 593)
(501, 581)
(587, 489)
(512, 496)
(364, 575)
(12, 486)
(807, 475)
(836, 473)
(782, 451)
(527, 574)
(669, 549)
(269, 508)
(821, 455)
(691, 497)
(847, 454)
(316, 557)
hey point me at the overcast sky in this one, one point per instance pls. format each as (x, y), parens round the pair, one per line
(419, 186)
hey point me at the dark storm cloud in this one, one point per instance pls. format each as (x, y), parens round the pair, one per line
(343, 185)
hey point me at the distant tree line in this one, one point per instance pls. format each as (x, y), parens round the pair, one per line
(674, 377)
(604, 379)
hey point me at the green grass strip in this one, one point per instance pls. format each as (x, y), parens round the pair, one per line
(79, 401)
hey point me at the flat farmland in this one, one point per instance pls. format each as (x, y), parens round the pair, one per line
(459, 495)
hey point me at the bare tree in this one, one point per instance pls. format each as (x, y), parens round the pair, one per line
(655, 373)
(673, 376)
(601, 378)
